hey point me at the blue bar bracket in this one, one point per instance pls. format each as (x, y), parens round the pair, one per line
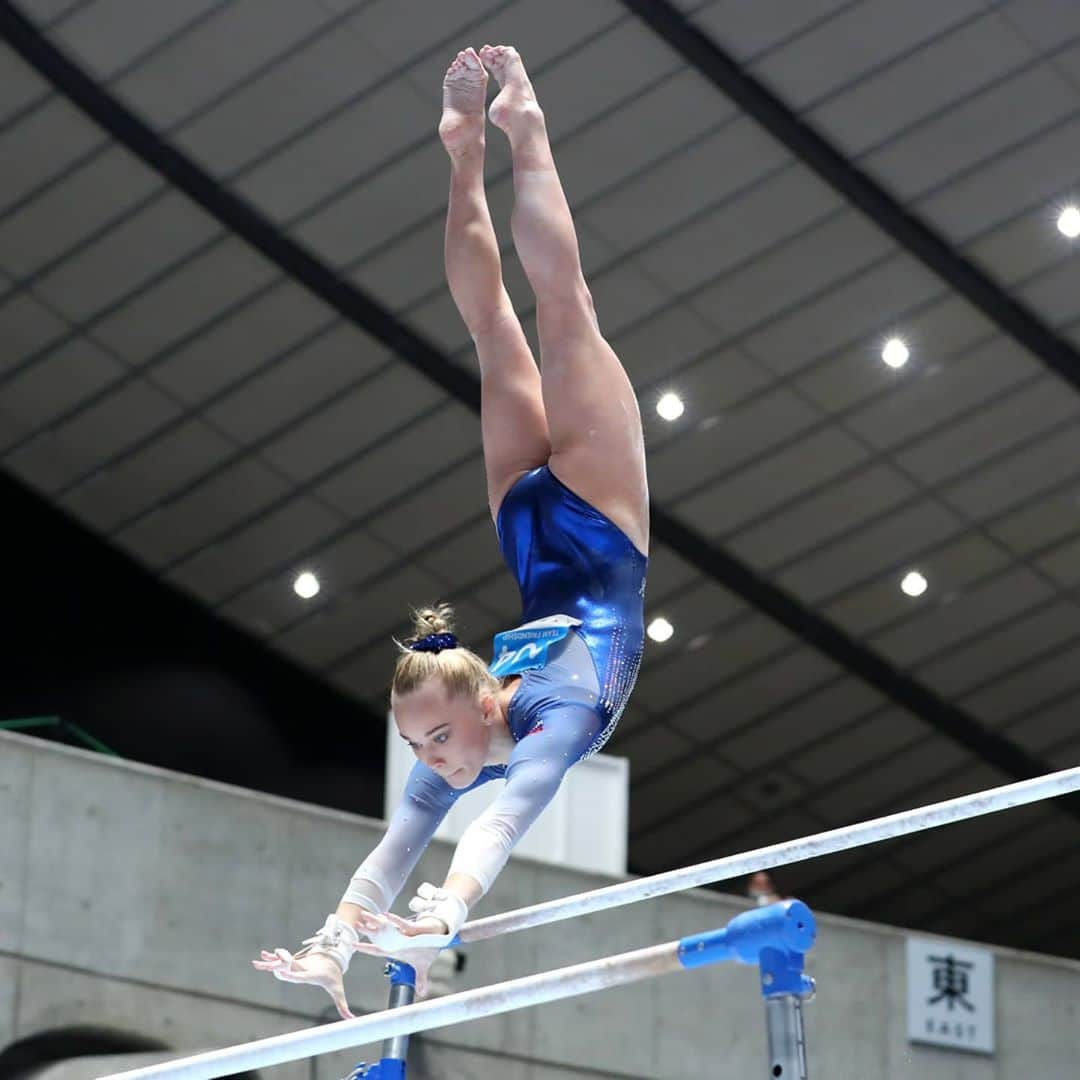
(776, 938)
(402, 978)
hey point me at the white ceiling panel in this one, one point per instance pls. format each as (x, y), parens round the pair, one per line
(107, 35)
(1041, 465)
(747, 432)
(1040, 522)
(1062, 564)
(136, 483)
(1024, 177)
(1037, 683)
(994, 429)
(1049, 726)
(293, 384)
(973, 131)
(658, 346)
(174, 529)
(283, 322)
(747, 31)
(861, 39)
(671, 196)
(1024, 246)
(128, 258)
(66, 214)
(43, 145)
(1053, 295)
(110, 426)
(376, 408)
(337, 561)
(938, 392)
(289, 529)
(869, 791)
(368, 214)
(403, 28)
(196, 295)
(950, 568)
(68, 375)
(840, 508)
(26, 326)
(1013, 644)
(454, 498)
(671, 111)
(765, 486)
(791, 273)
(885, 544)
(344, 149)
(284, 102)
(470, 552)
(1043, 22)
(215, 55)
(859, 746)
(932, 333)
(405, 461)
(943, 625)
(922, 83)
(875, 301)
(357, 618)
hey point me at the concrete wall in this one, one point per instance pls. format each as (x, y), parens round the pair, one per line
(133, 899)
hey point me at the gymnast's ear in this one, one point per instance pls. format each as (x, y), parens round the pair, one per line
(489, 708)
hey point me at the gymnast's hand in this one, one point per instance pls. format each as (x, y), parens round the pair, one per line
(315, 969)
(415, 942)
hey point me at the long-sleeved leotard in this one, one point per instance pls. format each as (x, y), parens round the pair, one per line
(582, 586)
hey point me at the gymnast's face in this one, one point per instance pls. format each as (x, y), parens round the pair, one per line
(450, 733)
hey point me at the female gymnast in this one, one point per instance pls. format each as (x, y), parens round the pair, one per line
(565, 464)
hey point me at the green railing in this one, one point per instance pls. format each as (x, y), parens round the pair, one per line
(66, 729)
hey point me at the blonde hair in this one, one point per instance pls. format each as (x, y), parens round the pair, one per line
(459, 668)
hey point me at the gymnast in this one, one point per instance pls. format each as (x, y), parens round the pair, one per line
(565, 465)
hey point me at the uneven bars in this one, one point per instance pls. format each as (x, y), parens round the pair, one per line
(790, 851)
(790, 924)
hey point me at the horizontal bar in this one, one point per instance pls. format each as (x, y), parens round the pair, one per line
(440, 1012)
(791, 851)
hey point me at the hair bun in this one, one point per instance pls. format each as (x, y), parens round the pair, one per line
(438, 619)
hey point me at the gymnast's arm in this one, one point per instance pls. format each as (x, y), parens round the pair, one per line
(536, 769)
(424, 803)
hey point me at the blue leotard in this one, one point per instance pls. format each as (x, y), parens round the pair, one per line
(583, 581)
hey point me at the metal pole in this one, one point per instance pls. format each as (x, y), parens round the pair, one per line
(791, 851)
(787, 1038)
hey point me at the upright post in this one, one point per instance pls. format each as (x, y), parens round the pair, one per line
(395, 1049)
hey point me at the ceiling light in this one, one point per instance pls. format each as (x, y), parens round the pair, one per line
(914, 584)
(1069, 222)
(895, 353)
(306, 585)
(660, 630)
(670, 406)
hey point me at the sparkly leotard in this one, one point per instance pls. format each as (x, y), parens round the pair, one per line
(582, 586)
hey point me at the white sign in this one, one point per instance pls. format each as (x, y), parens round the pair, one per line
(950, 994)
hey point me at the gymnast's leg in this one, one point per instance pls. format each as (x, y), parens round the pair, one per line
(512, 418)
(594, 424)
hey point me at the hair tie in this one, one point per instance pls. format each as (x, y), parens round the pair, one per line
(434, 643)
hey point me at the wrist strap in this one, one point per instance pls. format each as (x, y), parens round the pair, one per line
(336, 940)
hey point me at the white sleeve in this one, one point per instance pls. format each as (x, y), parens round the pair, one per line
(484, 847)
(381, 876)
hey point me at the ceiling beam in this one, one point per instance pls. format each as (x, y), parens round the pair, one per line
(241, 218)
(908, 230)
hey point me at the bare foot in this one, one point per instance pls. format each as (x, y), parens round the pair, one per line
(516, 102)
(464, 94)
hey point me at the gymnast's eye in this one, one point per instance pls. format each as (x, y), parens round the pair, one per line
(442, 737)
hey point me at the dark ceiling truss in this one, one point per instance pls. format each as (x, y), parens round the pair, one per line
(912, 234)
(354, 305)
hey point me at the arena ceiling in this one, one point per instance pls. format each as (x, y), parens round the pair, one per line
(229, 350)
